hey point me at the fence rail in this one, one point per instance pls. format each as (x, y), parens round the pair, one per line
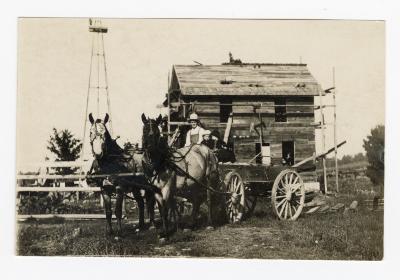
(63, 216)
(57, 189)
(55, 164)
(75, 176)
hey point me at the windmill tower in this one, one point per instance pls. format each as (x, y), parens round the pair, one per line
(98, 90)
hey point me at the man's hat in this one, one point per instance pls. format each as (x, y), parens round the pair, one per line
(194, 117)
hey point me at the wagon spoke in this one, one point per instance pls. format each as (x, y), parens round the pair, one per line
(290, 209)
(280, 196)
(286, 207)
(298, 193)
(283, 207)
(295, 187)
(290, 179)
(238, 188)
(280, 203)
(297, 202)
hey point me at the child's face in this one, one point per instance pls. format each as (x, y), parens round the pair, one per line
(206, 137)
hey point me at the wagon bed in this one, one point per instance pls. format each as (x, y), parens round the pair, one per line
(247, 182)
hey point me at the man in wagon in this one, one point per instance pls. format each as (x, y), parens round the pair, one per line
(195, 134)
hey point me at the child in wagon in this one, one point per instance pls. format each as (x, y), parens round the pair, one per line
(207, 140)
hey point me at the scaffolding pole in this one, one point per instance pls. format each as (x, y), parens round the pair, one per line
(169, 111)
(323, 142)
(334, 130)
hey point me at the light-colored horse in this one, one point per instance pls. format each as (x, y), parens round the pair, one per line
(111, 159)
(170, 169)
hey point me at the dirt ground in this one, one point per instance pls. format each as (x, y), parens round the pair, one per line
(355, 235)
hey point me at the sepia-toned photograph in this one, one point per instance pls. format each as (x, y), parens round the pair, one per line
(200, 138)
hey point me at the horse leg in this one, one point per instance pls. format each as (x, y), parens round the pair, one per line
(162, 208)
(150, 202)
(209, 204)
(107, 207)
(118, 208)
(140, 203)
(174, 214)
(195, 212)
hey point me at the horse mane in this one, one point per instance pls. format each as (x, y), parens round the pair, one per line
(112, 147)
(161, 153)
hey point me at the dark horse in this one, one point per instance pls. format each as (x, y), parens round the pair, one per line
(110, 158)
(188, 172)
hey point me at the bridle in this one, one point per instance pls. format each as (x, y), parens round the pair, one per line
(150, 129)
(98, 133)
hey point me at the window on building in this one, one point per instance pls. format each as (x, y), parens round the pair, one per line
(280, 110)
(225, 108)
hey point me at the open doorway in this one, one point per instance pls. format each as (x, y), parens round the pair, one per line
(288, 152)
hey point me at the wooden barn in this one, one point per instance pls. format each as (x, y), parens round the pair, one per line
(272, 107)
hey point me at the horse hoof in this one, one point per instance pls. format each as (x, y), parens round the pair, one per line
(117, 238)
(186, 230)
(210, 228)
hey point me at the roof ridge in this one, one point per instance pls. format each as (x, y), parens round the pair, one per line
(245, 64)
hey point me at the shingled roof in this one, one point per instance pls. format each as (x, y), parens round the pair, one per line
(246, 79)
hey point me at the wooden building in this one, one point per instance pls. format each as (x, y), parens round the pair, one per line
(272, 107)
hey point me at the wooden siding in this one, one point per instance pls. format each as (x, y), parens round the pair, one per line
(297, 128)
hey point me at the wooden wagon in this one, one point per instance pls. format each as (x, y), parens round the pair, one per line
(247, 182)
(284, 185)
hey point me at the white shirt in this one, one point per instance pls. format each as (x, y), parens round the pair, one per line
(197, 130)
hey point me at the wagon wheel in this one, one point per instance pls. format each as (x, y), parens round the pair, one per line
(288, 194)
(235, 203)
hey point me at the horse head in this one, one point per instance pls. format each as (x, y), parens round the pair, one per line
(151, 133)
(99, 136)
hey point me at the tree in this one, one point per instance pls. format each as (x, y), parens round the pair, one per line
(359, 157)
(374, 146)
(65, 147)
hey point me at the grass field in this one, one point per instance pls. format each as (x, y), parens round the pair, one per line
(356, 235)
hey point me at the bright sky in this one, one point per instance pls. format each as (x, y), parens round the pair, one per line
(54, 59)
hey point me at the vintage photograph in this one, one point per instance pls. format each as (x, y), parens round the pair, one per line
(201, 138)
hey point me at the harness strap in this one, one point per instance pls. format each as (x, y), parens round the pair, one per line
(187, 175)
(186, 165)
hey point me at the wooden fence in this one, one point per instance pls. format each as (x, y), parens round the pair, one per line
(79, 185)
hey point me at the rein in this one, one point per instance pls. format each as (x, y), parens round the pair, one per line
(168, 159)
(171, 161)
(175, 167)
